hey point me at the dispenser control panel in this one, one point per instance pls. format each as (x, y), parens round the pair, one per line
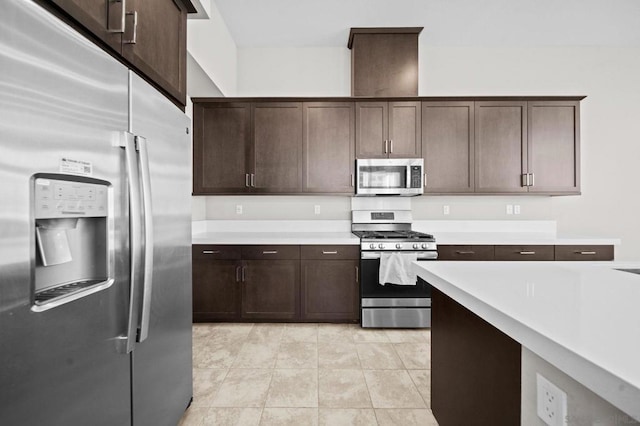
(64, 198)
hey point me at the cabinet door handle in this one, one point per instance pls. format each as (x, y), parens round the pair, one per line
(113, 18)
(270, 252)
(424, 180)
(386, 142)
(532, 182)
(352, 180)
(238, 274)
(329, 252)
(210, 251)
(246, 180)
(357, 274)
(243, 273)
(253, 180)
(526, 253)
(131, 35)
(465, 252)
(525, 179)
(586, 253)
(391, 146)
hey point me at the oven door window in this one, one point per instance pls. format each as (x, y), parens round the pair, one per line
(379, 177)
(371, 288)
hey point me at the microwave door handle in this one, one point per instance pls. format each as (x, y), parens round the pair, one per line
(147, 278)
(127, 342)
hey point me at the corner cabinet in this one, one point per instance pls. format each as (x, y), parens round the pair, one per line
(388, 129)
(151, 36)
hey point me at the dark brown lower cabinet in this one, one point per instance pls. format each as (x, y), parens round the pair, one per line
(216, 283)
(330, 290)
(271, 289)
(462, 252)
(475, 368)
(524, 252)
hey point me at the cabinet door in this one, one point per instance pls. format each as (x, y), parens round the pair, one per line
(216, 283)
(221, 145)
(448, 146)
(500, 151)
(372, 129)
(271, 289)
(328, 146)
(554, 146)
(155, 42)
(277, 144)
(97, 16)
(405, 130)
(330, 290)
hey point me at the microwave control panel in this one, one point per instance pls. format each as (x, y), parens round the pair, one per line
(416, 177)
(64, 198)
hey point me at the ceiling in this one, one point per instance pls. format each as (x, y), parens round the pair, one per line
(291, 23)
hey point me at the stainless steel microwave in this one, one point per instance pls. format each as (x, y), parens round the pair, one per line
(389, 176)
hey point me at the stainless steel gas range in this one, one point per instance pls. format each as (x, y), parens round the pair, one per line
(387, 247)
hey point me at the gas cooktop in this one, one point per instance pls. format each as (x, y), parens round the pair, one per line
(394, 235)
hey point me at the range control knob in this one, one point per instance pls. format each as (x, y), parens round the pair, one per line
(372, 246)
(415, 246)
(424, 246)
(380, 246)
(398, 246)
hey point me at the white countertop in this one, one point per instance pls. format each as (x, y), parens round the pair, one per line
(582, 317)
(293, 238)
(518, 238)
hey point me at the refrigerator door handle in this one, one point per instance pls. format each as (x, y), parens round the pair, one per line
(147, 277)
(126, 343)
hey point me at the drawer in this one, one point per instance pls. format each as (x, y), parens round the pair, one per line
(459, 252)
(203, 252)
(583, 252)
(524, 253)
(330, 252)
(271, 252)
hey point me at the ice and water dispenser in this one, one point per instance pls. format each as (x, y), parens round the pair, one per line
(73, 253)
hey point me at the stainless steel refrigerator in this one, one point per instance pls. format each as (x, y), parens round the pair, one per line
(95, 234)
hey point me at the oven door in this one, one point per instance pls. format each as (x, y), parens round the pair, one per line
(389, 176)
(391, 305)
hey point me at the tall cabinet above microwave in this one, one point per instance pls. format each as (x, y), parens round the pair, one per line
(389, 176)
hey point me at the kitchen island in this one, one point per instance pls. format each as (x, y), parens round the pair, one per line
(582, 318)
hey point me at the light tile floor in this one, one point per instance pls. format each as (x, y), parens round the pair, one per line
(309, 374)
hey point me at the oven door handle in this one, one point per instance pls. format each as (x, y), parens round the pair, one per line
(425, 255)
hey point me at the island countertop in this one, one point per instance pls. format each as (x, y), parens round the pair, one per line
(584, 318)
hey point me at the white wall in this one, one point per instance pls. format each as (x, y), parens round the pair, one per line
(608, 206)
(212, 47)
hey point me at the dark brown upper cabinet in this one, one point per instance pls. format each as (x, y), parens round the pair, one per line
(388, 129)
(384, 61)
(150, 35)
(448, 147)
(328, 147)
(500, 146)
(222, 147)
(553, 147)
(276, 159)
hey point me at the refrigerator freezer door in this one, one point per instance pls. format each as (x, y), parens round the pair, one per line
(62, 98)
(162, 384)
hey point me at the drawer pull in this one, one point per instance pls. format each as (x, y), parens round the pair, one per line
(210, 251)
(586, 253)
(329, 252)
(465, 252)
(270, 252)
(526, 253)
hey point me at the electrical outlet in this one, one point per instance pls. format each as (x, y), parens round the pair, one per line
(516, 209)
(509, 208)
(445, 210)
(238, 208)
(316, 209)
(551, 402)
